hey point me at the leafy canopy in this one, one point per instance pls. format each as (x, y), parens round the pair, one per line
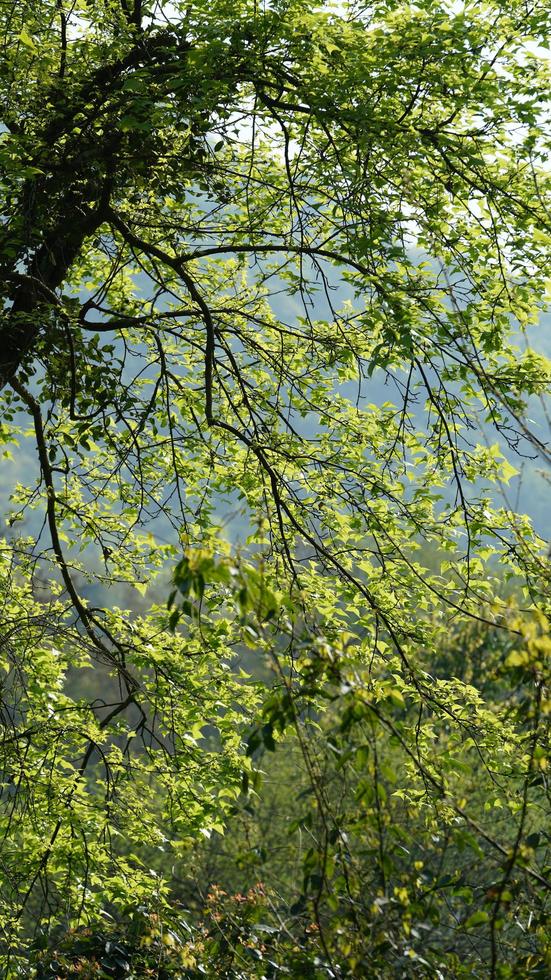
(265, 268)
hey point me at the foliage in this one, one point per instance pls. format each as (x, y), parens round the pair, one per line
(276, 262)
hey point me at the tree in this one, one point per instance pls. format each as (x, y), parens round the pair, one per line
(268, 259)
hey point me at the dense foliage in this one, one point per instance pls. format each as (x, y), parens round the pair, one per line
(274, 649)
